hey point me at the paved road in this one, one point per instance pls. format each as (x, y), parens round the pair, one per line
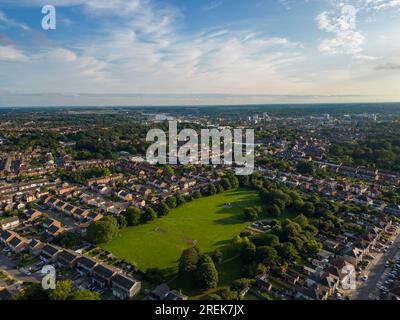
(375, 273)
(11, 268)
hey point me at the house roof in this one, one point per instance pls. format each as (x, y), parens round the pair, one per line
(161, 291)
(31, 212)
(69, 207)
(87, 262)
(67, 255)
(9, 220)
(16, 241)
(53, 229)
(50, 250)
(34, 243)
(103, 271)
(5, 294)
(123, 281)
(48, 222)
(6, 235)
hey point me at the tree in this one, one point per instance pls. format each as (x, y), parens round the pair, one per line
(64, 290)
(269, 239)
(226, 184)
(290, 229)
(274, 211)
(31, 291)
(240, 284)
(189, 260)
(248, 250)
(301, 220)
(154, 275)
(196, 194)
(234, 182)
(102, 231)
(69, 239)
(308, 209)
(162, 209)
(169, 170)
(207, 276)
(314, 247)
(85, 295)
(122, 223)
(306, 167)
(229, 295)
(149, 215)
(133, 216)
(267, 255)
(289, 252)
(212, 189)
(171, 202)
(180, 200)
(252, 213)
(217, 257)
(220, 188)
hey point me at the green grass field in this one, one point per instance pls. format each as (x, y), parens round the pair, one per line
(205, 222)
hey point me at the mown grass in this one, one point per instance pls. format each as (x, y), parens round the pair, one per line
(205, 222)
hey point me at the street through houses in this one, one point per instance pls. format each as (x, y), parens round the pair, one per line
(366, 290)
(10, 267)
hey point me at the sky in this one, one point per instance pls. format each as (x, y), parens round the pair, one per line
(172, 52)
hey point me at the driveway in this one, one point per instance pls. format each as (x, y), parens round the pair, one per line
(10, 267)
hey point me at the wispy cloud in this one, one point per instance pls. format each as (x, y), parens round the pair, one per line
(213, 5)
(388, 66)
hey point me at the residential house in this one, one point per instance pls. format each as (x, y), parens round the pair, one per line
(35, 247)
(262, 282)
(54, 231)
(102, 275)
(315, 292)
(5, 294)
(340, 269)
(17, 244)
(354, 255)
(80, 214)
(69, 209)
(67, 259)
(51, 222)
(124, 196)
(94, 216)
(9, 223)
(49, 253)
(124, 287)
(85, 265)
(163, 292)
(6, 236)
(33, 215)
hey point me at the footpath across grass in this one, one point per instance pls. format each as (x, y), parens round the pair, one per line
(207, 223)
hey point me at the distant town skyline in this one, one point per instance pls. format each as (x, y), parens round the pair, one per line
(174, 52)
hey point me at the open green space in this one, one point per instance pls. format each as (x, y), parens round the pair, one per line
(209, 223)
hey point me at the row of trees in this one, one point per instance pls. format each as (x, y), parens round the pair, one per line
(64, 291)
(199, 266)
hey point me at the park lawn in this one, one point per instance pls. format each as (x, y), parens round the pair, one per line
(205, 222)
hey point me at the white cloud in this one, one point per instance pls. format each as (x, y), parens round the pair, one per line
(9, 53)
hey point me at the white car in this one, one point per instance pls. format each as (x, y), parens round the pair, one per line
(364, 278)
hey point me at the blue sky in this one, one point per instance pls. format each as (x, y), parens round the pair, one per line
(134, 52)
